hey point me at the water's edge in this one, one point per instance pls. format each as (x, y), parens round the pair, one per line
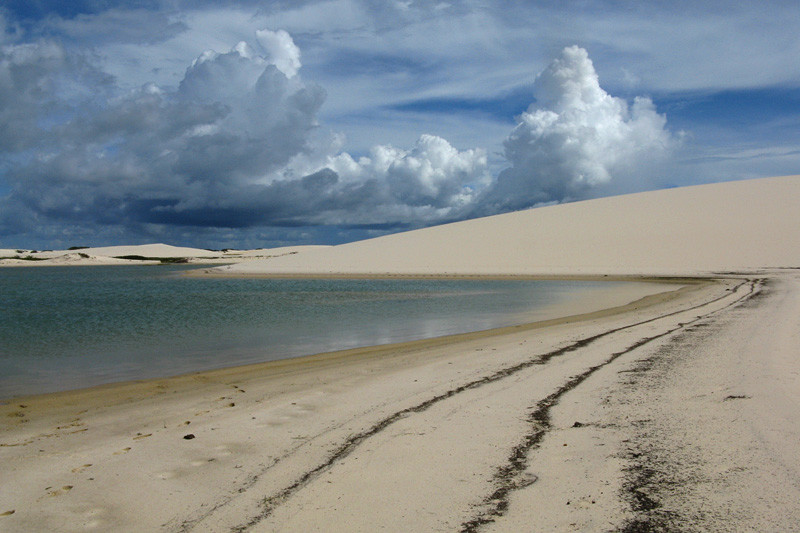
(152, 323)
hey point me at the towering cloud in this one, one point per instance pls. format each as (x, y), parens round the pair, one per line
(151, 155)
(237, 144)
(575, 138)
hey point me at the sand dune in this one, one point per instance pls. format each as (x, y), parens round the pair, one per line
(674, 412)
(66, 258)
(110, 255)
(732, 226)
(151, 250)
(740, 225)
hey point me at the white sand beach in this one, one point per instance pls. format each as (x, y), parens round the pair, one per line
(673, 411)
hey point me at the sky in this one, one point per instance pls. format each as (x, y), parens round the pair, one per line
(257, 124)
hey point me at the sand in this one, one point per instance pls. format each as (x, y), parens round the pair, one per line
(674, 412)
(146, 254)
(734, 226)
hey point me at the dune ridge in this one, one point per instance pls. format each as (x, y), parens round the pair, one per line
(731, 226)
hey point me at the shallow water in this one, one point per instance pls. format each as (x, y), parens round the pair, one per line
(69, 327)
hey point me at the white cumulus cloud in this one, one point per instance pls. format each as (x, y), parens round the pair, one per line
(281, 50)
(576, 138)
(432, 173)
(237, 144)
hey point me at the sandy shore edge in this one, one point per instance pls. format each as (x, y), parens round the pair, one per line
(220, 433)
(675, 411)
(130, 390)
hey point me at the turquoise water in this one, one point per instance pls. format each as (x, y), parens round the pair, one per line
(69, 327)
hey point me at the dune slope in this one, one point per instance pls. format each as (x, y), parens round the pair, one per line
(741, 225)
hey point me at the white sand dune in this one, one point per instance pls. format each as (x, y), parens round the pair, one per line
(674, 412)
(165, 250)
(151, 250)
(82, 258)
(739, 225)
(76, 258)
(275, 252)
(109, 255)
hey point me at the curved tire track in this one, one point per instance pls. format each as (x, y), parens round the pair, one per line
(506, 477)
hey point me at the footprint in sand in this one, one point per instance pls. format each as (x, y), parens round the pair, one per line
(58, 492)
(80, 469)
(8, 513)
(123, 450)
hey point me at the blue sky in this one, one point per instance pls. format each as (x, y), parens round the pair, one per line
(260, 124)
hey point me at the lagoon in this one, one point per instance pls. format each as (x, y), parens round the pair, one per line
(71, 327)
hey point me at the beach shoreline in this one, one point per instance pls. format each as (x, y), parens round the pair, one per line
(85, 441)
(306, 444)
(586, 307)
(676, 412)
(215, 273)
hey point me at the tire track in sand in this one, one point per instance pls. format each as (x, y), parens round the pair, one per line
(506, 477)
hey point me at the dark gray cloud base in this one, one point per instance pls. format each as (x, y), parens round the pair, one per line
(237, 144)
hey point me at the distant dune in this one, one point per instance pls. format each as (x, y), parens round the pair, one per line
(739, 225)
(141, 254)
(730, 226)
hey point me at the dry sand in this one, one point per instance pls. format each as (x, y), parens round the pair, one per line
(675, 412)
(154, 253)
(731, 226)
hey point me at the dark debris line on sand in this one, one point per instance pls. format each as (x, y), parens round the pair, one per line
(507, 477)
(650, 473)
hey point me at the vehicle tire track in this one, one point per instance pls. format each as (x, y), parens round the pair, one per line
(539, 417)
(508, 477)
